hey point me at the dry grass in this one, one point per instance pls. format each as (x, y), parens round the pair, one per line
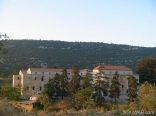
(8, 110)
(63, 106)
(75, 113)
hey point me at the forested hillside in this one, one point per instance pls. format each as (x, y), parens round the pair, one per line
(31, 53)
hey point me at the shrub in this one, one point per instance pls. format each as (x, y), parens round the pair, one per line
(81, 99)
(10, 93)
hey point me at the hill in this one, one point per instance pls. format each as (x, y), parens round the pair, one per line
(31, 53)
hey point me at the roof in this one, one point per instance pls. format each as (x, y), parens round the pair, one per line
(23, 71)
(116, 68)
(46, 69)
(71, 70)
(52, 69)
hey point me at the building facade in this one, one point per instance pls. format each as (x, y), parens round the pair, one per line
(106, 73)
(31, 82)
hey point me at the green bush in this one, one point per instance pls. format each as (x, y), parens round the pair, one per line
(81, 99)
(9, 93)
(38, 106)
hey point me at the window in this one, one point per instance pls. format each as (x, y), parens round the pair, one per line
(33, 88)
(42, 79)
(122, 86)
(40, 88)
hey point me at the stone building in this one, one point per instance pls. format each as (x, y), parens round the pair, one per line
(31, 82)
(106, 73)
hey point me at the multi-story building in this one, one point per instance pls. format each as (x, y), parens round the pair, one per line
(31, 82)
(106, 73)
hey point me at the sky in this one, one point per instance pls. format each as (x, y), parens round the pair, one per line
(130, 22)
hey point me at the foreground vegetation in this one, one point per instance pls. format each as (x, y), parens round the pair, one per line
(7, 110)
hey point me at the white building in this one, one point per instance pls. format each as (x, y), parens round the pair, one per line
(31, 82)
(106, 73)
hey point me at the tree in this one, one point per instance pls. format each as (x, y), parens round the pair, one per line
(52, 88)
(146, 68)
(81, 99)
(51, 92)
(3, 49)
(85, 82)
(74, 84)
(43, 100)
(57, 87)
(114, 88)
(1, 45)
(64, 83)
(147, 97)
(100, 91)
(132, 89)
(75, 71)
(10, 93)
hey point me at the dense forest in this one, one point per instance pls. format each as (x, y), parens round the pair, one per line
(31, 53)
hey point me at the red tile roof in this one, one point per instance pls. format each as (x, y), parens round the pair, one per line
(71, 70)
(52, 70)
(116, 68)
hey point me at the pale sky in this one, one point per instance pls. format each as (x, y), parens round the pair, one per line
(130, 22)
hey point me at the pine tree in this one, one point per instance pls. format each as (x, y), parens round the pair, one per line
(52, 88)
(100, 91)
(114, 88)
(74, 84)
(64, 83)
(132, 89)
(85, 82)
